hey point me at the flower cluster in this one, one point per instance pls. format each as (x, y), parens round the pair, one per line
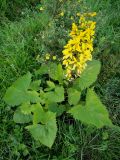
(46, 57)
(79, 48)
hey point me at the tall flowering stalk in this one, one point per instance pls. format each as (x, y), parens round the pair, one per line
(79, 48)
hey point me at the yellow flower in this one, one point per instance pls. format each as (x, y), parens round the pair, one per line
(61, 14)
(82, 18)
(54, 57)
(92, 14)
(68, 73)
(74, 29)
(65, 62)
(71, 18)
(47, 56)
(78, 14)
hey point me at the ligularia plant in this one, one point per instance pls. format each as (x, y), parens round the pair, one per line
(38, 102)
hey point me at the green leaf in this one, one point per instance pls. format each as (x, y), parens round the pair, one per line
(19, 117)
(60, 74)
(33, 96)
(59, 94)
(17, 93)
(56, 72)
(23, 82)
(43, 70)
(45, 133)
(53, 71)
(73, 96)
(42, 97)
(38, 114)
(35, 85)
(93, 113)
(25, 108)
(55, 108)
(55, 96)
(88, 76)
(51, 86)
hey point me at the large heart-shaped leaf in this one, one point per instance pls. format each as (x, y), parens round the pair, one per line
(88, 76)
(94, 112)
(46, 131)
(17, 93)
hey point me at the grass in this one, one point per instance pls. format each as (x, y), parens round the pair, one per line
(25, 34)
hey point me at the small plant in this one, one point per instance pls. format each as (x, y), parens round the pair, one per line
(51, 91)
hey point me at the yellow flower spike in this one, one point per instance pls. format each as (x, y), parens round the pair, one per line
(79, 48)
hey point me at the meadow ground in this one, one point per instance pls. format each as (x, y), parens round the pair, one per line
(28, 30)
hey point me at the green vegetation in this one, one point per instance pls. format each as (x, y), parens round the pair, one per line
(41, 105)
(29, 30)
